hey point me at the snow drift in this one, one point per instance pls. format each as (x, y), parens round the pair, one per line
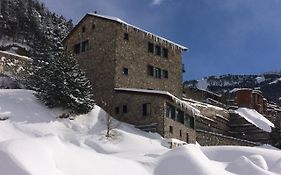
(34, 142)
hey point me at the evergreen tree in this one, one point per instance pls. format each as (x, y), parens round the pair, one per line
(61, 83)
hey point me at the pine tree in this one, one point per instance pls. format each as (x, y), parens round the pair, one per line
(61, 83)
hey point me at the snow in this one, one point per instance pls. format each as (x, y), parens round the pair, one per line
(6, 42)
(260, 79)
(255, 118)
(275, 81)
(239, 89)
(33, 141)
(202, 84)
(127, 24)
(16, 55)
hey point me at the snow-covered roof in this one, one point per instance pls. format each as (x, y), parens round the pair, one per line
(255, 118)
(140, 29)
(180, 102)
(239, 89)
(16, 55)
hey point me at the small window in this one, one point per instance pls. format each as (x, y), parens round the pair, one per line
(180, 134)
(85, 45)
(76, 48)
(157, 72)
(165, 73)
(126, 36)
(93, 26)
(170, 112)
(158, 50)
(150, 47)
(83, 29)
(187, 138)
(117, 110)
(146, 109)
(150, 70)
(171, 129)
(125, 109)
(165, 53)
(125, 71)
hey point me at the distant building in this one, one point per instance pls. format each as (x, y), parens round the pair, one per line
(251, 99)
(136, 75)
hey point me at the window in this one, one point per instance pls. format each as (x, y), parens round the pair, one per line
(189, 121)
(125, 109)
(180, 134)
(187, 138)
(125, 71)
(158, 50)
(117, 110)
(150, 47)
(157, 72)
(165, 53)
(171, 129)
(146, 109)
(85, 46)
(83, 29)
(76, 48)
(180, 116)
(93, 26)
(170, 112)
(150, 70)
(165, 73)
(126, 36)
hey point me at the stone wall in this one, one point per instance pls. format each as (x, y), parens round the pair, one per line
(209, 139)
(99, 60)
(133, 54)
(14, 65)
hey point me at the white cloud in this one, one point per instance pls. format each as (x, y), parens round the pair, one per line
(156, 2)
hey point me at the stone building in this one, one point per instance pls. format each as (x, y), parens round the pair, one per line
(136, 75)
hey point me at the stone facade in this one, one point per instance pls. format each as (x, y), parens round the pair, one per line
(210, 139)
(114, 55)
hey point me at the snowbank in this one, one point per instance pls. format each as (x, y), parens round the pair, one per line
(255, 118)
(34, 142)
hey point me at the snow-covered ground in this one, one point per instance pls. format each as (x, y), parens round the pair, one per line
(34, 142)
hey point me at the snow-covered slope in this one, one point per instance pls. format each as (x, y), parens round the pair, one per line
(34, 142)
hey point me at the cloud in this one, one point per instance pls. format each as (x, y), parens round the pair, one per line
(156, 2)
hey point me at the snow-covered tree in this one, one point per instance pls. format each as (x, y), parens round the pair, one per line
(61, 83)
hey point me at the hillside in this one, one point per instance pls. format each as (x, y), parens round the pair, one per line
(34, 142)
(268, 83)
(28, 28)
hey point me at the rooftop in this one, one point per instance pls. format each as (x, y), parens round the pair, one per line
(120, 21)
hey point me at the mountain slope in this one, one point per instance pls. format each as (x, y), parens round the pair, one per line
(268, 83)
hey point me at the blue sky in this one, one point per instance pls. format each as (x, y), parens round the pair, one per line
(223, 36)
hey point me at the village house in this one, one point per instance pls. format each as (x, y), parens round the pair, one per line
(219, 123)
(136, 75)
